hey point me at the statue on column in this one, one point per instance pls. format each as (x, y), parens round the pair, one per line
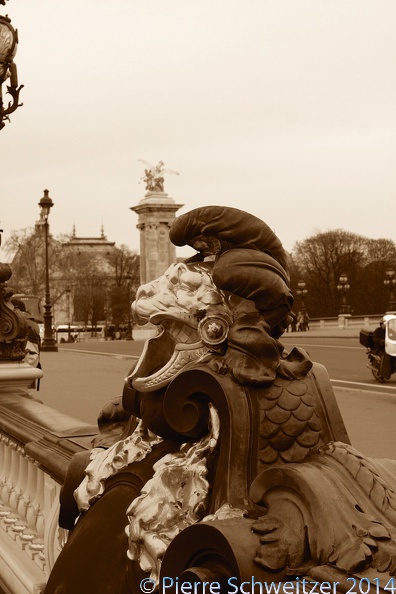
(226, 460)
(154, 176)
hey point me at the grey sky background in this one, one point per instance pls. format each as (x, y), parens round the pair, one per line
(283, 108)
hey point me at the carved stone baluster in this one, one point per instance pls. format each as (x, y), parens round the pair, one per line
(21, 487)
(13, 492)
(12, 519)
(31, 488)
(55, 537)
(39, 505)
(22, 495)
(6, 469)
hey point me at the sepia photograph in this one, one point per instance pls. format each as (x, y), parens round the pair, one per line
(197, 297)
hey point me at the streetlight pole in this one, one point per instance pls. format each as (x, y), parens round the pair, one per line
(390, 282)
(302, 319)
(343, 288)
(68, 291)
(129, 335)
(49, 343)
(302, 292)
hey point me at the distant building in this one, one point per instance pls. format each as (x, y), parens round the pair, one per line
(96, 247)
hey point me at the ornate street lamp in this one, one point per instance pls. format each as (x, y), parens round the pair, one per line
(49, 343)
(302, 292)
(8, 69)
(390, 282)
(343, 288)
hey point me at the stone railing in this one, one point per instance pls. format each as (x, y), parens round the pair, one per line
(346, 321)
(36, 446)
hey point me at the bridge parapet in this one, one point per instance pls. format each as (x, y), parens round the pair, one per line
(36, 446)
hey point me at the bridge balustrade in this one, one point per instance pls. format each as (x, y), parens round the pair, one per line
(36, 446)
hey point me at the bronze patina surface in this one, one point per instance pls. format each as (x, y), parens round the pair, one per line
(235, 461)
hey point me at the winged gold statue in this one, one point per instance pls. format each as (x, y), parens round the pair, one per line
(154, 175)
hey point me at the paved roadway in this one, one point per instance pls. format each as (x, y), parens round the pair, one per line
(81, 378)
(344, 358)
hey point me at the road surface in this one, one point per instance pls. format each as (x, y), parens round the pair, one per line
(81, 378)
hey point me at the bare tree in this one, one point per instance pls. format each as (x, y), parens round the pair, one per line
(321, 259)
(27, 248)
(125, 265)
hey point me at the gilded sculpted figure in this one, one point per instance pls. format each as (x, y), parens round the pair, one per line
(154, 176)
(230, 458)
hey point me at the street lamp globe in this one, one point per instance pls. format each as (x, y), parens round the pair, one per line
(45, 205)
(8, 46)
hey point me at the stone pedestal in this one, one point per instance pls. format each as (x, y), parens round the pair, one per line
(156, 213)
(343, 320)
(17, 375)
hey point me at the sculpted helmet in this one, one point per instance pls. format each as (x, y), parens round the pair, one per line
(250, 261)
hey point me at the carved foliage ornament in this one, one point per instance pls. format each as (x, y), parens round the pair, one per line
(338, 508)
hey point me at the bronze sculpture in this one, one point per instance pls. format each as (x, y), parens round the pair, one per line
(154, 176)
(233, 462)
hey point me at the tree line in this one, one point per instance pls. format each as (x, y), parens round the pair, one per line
(321, 259)
(103, 286)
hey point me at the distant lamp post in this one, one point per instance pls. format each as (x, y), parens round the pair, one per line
(343, 289)
(129, 327)
(390, 282)
(8, 69)
(68, 291)
(302, 293)
(49, 343)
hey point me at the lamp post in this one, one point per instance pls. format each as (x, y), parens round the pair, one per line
(49, 343)
(302, 292)
(8, 69)
(129, 327)
(68, 291)
(343, 288)
(390, 282)
(302, 319)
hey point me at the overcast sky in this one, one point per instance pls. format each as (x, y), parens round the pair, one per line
(284, 108)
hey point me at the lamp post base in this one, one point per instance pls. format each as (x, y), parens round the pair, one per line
(129, 332)
(49, 345)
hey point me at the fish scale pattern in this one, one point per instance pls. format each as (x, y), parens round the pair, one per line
(290, 426)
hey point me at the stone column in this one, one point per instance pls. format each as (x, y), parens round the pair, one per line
(156, 213)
